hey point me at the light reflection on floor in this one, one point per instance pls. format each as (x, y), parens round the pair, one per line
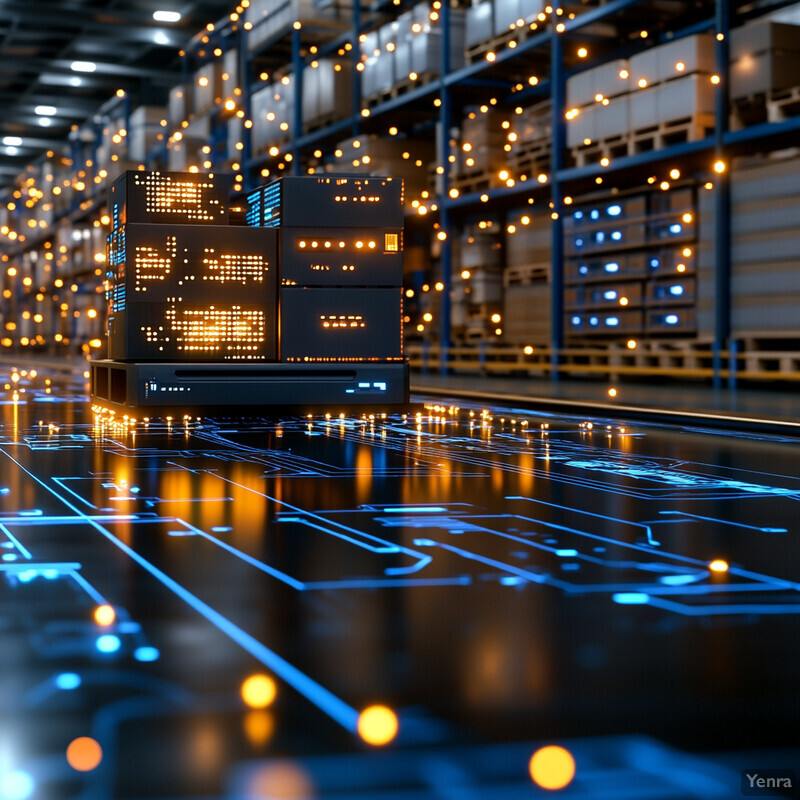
(222, 608)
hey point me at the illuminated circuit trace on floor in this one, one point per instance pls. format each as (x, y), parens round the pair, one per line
(235, 609)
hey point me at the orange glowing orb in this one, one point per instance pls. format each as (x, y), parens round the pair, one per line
(552, 767)
(377, 725)
(718, 565)
(84, 754)
(259, 691)
(104, 615)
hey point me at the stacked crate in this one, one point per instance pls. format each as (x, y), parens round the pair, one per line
(179, 107)
(409, 50)
(526, 278)
(675, 98)
(661, 96)
(481, 159)
(273, 19)
(272, 110)
(529, 141)
(477, 280)
(765, 64)
(374, 155)
(207, 87)
(599, 108)
(493, 23)
(327, 92)
(145, 132)
(630, 266)
(765, 252)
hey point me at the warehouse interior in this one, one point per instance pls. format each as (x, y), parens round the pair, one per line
(565, 567)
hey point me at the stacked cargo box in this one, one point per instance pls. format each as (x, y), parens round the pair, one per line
(492, 23)
(327, 92)
(272, 110)
(374, 155)
(765, 64)
(410, 49)
(481, 160)
(661, 96)
(182, 285)
(630, 266)
(272, 19)
(341, 266)
(526, 278)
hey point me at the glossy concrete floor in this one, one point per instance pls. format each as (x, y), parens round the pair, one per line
(458, 603)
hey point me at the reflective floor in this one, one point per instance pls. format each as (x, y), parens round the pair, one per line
(462, 604)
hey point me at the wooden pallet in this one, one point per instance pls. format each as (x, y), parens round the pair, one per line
(593, 153)
(323, 122)
(524, 275)
(773, 106)
(496, 44)
(655, 137)
(399, 89)
(687, 129)
(477, 182)
(530, 159)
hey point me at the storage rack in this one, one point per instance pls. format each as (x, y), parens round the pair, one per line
(433, 104)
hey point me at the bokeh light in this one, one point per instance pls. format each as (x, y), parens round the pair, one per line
(377, 725)
(259, 691)
(718, 565)
(84, 754)
(552, 767)
(16, 785)
(280, 780)
(105, 615)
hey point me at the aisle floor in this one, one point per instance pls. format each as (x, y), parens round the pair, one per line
(498, 583)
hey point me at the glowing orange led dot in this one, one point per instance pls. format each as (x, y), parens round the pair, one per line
(84, 754)
(104, 615)
(259, 691)
(718, 565)
(378, 725)
(552, 767)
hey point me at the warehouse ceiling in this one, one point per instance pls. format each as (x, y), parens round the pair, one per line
(60, 61)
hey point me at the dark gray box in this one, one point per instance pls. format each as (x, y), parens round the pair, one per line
(351, 257)
(340, 324)
(192, 292)
(333, 201)
(174, 198)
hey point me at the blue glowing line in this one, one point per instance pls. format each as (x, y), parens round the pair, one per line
(701, 611)
(631, 598)
(647, 529)
(88, 588)
(13, 539)
(254, 562)
(414, 510)
(40, 568)
(534, 577)
(725, 522)
(324, 699)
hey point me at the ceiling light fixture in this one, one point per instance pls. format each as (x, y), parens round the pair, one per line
(83, 66)
(45, 122)
(45, 111)
(166, 16)
(12, 141)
